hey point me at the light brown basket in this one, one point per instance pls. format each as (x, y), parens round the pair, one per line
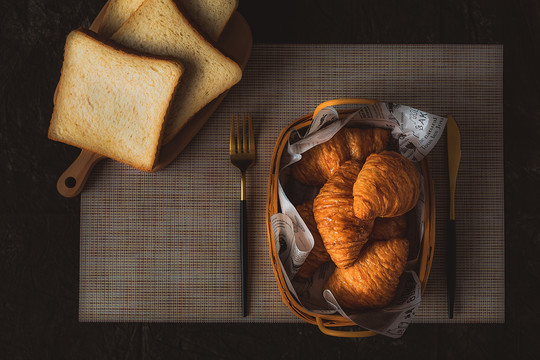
(325, 322)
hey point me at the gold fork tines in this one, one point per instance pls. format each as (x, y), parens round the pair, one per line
(242, 147)
(242, 152)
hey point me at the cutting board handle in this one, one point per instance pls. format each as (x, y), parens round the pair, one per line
(72, 181)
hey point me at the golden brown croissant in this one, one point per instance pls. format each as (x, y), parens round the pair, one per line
(388, 185)
(320, 162)
(387, 228)
(371, 282)
(318, 254)
(343, 234)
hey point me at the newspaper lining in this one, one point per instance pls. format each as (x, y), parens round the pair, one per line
(417, 132)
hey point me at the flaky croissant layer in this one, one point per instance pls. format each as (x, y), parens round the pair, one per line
(342, 233)
(371, 282)
(323, 160)
(387, 228)
(388, 185)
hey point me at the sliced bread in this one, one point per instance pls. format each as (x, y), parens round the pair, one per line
(209, 16)
(159, 27)
(112, 102)
(118, 11)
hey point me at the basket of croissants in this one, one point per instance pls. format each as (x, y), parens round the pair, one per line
(366, 214)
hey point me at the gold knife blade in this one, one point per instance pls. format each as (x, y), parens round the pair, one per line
(454, 158)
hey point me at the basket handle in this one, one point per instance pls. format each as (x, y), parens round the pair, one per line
(346, 334)
(336, 102)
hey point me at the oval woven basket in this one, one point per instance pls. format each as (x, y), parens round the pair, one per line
(328, 323)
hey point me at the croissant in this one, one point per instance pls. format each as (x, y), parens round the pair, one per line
(387, 228)
(321, 161)
(342, 233)
(387, 186)
(318, 254)
(371, 282)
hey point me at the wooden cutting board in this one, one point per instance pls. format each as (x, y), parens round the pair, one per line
(236, 42)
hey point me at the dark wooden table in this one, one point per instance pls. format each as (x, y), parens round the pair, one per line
(39, 230)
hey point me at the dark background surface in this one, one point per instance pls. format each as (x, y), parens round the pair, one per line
(39, 229)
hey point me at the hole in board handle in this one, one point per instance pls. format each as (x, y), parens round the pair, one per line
(70, 182)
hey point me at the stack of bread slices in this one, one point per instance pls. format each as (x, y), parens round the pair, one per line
(133, 85)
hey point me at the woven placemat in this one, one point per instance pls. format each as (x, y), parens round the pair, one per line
(164, 246)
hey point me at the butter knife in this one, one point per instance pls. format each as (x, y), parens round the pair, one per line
(454, 157)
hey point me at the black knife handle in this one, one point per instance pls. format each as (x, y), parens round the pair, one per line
(451, 267)
(243, 253)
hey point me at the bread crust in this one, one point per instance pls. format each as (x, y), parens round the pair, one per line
(203, 28)
(321, 161)
(126, 53)
(343, 234)
(388, 185)
(371, 282)
(388, 228)
(179, 117)
(211, 31)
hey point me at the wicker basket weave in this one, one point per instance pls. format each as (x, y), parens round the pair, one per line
(326, 322)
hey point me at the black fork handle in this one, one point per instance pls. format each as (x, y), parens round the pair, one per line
(243, 254)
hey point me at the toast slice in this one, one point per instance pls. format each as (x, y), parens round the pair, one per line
(209, 16)
(118, 11)
(159, 27)
(113, 102)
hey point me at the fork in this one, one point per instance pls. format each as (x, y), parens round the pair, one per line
(242, 153)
